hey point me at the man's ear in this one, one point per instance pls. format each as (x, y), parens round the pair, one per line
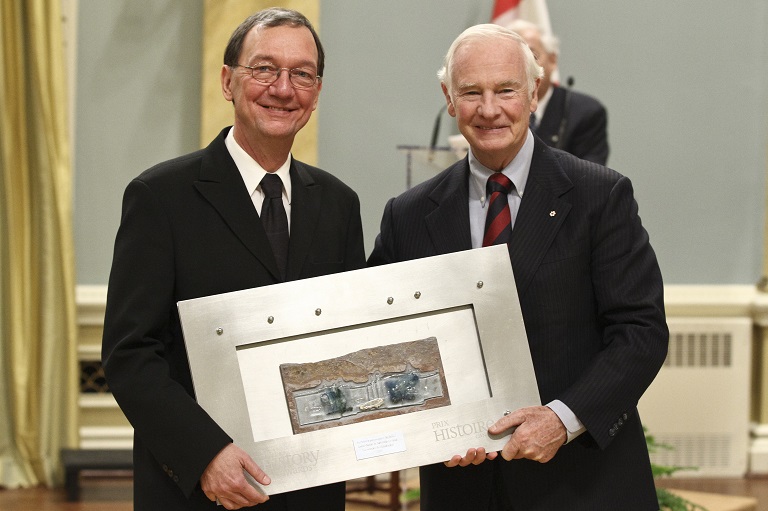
(451, 109)
(226, 82)
(535, 97)
(317, 96)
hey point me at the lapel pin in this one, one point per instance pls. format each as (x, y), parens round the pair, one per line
(552, 213)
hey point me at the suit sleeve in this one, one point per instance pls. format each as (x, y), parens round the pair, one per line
(355, 251)
(628, 292)
(589, 138)
(142, 352)
(383, 249)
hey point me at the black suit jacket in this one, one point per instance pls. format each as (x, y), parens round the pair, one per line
(591, 295)
(585, 132)
(189, 229)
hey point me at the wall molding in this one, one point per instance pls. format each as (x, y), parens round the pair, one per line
(106, 437)
(700, 301)
(714, 300)
(91, 302)
(680, 300)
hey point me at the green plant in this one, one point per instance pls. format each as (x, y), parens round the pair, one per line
(411, 495)
(668, 501)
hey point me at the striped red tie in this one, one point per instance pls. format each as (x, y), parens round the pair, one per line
(497, 220)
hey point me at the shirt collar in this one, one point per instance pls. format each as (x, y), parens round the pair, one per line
(250, 169)
(542, 104)
(517, 171)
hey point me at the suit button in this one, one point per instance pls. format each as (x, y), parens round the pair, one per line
(620, 422)
(170, 473)
(612, 432)
(175, 479)
(165, 468)
(625, 416)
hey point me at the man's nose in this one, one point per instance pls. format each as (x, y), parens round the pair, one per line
(489, 105)
(282, 85)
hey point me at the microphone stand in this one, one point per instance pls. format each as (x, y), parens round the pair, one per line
(435, 133)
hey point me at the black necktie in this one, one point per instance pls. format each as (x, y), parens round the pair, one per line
(275, 220)
(498, 219)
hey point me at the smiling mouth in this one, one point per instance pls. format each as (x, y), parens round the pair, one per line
(278, 109)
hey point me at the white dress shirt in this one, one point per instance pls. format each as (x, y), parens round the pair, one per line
(253, 173)
(541, 107)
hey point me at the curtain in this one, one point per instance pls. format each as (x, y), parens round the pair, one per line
(38, 363)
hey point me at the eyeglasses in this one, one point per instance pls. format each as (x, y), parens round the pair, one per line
(268, 74)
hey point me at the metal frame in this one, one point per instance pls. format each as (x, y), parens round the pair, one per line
(467, 300)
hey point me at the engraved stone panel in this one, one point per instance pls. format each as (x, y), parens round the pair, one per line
(365, 385)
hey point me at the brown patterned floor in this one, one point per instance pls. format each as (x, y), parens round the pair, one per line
(114, 494)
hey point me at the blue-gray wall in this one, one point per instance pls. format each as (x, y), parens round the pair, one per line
(137, 103)
(686, 88)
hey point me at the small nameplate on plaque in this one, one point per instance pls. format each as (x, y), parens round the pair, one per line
(379, 445)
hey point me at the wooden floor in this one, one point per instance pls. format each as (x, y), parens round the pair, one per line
(114, 494)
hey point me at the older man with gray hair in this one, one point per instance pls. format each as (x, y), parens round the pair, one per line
(589, 286)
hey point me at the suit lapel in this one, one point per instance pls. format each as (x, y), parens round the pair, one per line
(448, 224)
(222, 186)
(541, 214)
(306, 198)
(549, 126)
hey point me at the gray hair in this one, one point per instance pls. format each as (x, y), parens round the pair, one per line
(272, 17)
(549, 41)
(533, 70)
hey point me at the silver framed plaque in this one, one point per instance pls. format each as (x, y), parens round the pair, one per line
(364, 372)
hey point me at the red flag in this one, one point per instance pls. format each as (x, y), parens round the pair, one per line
(535, 11)
(504, 11)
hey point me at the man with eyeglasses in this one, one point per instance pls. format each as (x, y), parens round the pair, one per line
(239, 214)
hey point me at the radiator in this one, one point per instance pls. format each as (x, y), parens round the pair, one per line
(699, 403)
